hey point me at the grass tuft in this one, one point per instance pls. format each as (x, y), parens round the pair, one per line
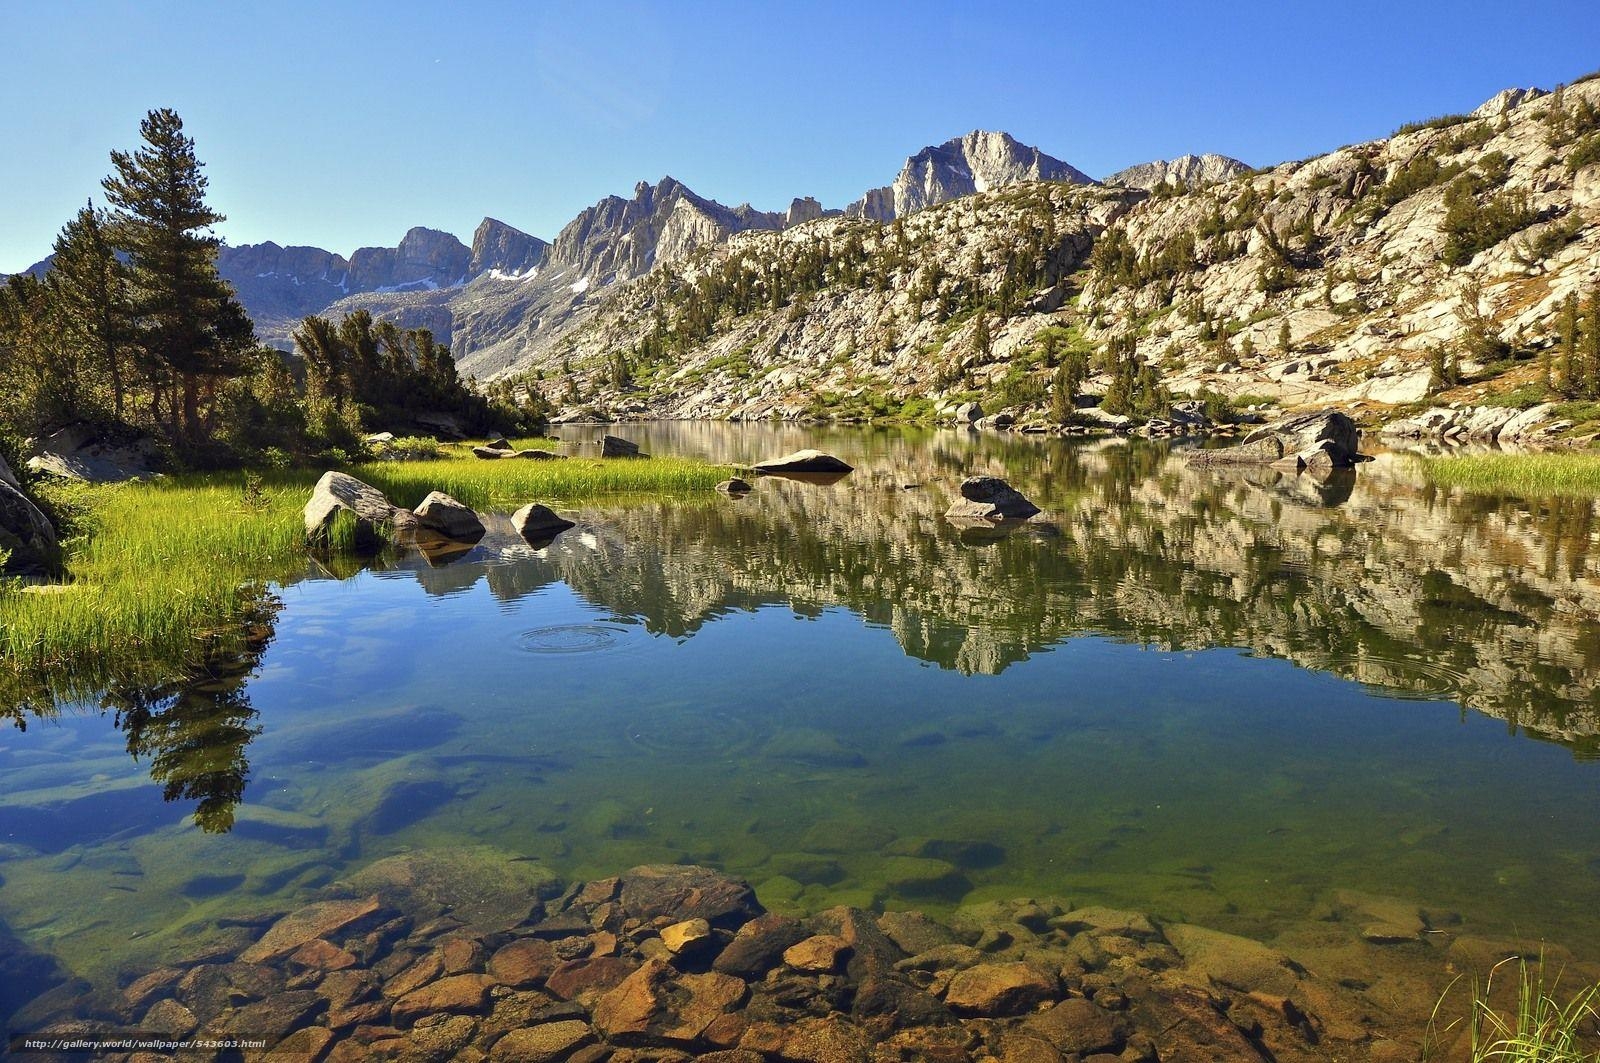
(1566, 473)
(1540, 1030)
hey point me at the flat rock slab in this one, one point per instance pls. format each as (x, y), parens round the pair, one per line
(803, 461)
(685, 891)
(301, 927)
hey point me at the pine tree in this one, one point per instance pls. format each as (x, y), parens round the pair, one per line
(89, 295)
(1568, 325)
(186, 319)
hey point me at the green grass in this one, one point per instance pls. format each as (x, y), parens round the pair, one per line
(1540, 1030)
(1567, 473)
(160, 573)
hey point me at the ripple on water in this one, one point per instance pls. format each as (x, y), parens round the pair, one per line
(573, 638)
(1407, 678)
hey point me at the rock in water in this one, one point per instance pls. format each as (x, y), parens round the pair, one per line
(536, 522)
(734, 486)
(443, 514)
(617, 447)
(375, 515)
(803, 461)
(27, 540)
(1321, 440)
(990, 498)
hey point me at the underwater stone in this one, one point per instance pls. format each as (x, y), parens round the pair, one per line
(991, 989)
(313, 921)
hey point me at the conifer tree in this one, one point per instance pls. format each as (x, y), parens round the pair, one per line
(88, 286)
(186, 320)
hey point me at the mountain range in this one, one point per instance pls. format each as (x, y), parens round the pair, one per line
(479, 297)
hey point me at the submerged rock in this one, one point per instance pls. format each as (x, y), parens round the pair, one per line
(443, 514)
(989, 498)
(803, 461)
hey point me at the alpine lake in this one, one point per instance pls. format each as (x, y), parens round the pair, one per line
(1353, 717)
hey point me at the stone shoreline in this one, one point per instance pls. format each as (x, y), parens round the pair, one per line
(414, 960)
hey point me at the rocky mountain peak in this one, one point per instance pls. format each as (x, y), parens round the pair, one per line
(1506, 100)
(498, 246)
(618, 239)
(1186, 171)
(980, 161)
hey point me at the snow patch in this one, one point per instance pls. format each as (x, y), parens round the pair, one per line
(581, 287)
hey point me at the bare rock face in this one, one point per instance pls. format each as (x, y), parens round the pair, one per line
(990, 498)
(978, 162)
(1186, 171)
(498, 246)
(425, 259)
(802, 211)
(8, 477)
(443, 514)
(375, 515)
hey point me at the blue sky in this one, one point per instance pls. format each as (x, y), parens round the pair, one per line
(343, 124)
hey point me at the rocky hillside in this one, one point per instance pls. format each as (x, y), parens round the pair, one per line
(1348, 278)
(1186, 171)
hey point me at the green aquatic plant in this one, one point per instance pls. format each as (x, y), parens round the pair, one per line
(1537, 475)
(1541, 1029)
(512, 482)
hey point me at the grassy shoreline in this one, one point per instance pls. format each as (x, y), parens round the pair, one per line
(1564, 473)
(160, 571)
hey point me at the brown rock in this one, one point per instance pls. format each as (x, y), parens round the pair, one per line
(461, 955)
(157, 983)
(803, 461)
(688, 937)
(424, 970)
(657, 1006)
(821, 954)
(169, 1019)
(1186, 1025)
(759, 946)
(732, 1055)
(1000, 989)
(726, 1031)
(437, 1038)
(460, 993)
(271, 1019)
(914, 932)
(211, 988)
(542, 1044)
(302, 1046)
(320, 955)
(588, 979)
(524, 962)
(824, 1041)
(1078, 1026)
(1022, 1046)
(684, 891)
(311, 922)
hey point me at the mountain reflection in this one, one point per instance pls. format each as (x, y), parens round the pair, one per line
(1374, 576)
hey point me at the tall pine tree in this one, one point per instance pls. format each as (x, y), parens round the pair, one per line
(186, 321)
(89, 293)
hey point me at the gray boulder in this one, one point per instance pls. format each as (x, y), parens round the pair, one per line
(8, 477)
(1324, 439)
(535, 522)
(990, 498)
(803, 461)
(617, 447)
(734, 486)
(492, 453)
(27, 540)
(376, 517)
(83, 452)
(499, 443)
(443, 514)
(968, 413)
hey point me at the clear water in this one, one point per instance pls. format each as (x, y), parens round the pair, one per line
(1218, 697)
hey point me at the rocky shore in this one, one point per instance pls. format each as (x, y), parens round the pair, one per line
(418, 958)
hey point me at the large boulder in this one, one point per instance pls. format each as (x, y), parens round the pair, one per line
(990, 498)
(539, 523)
(27, 539)
(86, 452)
(337, 492)
(617, 447)
(685, 891)
(8, 477)
(443, 514)
(1324, 439)
(803, 461)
